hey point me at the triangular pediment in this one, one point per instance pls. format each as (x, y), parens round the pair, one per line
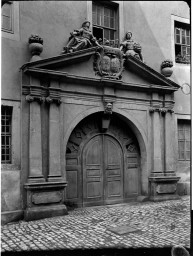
(79, 66)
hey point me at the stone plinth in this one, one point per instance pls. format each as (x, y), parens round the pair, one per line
(163, 188)
(45, 200)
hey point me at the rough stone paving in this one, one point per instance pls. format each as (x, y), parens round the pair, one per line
(159, 224)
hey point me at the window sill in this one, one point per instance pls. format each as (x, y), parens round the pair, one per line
(7, 31)
(177, 64)
(10, 167)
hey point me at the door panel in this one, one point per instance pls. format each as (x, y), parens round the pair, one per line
(131, 178)
(92, 172)
(113, 170)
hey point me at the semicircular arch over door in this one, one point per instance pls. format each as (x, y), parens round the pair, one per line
(102, 167)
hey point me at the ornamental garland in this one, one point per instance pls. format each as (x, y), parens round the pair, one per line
(35, 39)
(167, 63)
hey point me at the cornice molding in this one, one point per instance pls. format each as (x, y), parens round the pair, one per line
(70, 78)
(48, 66)
(60, 60)
(135, 64)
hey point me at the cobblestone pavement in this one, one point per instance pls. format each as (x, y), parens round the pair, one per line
(158, 224)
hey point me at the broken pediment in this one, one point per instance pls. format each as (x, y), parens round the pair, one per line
(86, 66)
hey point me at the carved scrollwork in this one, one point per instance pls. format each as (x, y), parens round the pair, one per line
(50, 100)
(163, 110)
(160, 110)
(29, 98)
(171, 111)
(151, 110)
(40, 99)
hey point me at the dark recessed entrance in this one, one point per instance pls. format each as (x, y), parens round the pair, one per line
(102, 167)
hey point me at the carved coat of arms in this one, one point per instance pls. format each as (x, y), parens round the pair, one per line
(109, 62)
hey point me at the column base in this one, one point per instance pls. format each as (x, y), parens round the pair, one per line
(142, 198)
(163, 188)
(45, 200)
(36, 179)
(42, 212)
(159, 198)
(55, 178)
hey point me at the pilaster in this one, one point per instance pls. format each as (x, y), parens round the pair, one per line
(155, 111)
(54, 133)
(170, 163)
(35, 142)
(45, 198)
(163, 185)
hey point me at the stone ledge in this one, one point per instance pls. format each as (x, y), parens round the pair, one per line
(164, 178)
(159, 198)
(37, 213)
(142, 198)
(11, 216)
(45, 185)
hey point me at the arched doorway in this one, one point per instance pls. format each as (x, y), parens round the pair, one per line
(102, 167)
(102, 160)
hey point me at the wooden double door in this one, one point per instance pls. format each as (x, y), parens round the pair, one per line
(102, 163)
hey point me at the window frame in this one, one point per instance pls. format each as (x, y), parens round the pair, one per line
(6, 134)
(186, 21)
(110, 6)
(16, 135)
(15, 35)
(11, 30)
(183, 124)
(181, 27)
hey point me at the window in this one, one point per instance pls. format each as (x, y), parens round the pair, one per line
(6, 133)
(184, 140)
(182, 42)
(7, 17)
(104, 20)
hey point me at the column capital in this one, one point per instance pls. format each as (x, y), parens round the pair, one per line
(53, 96)
(50, 100)
(160, 110)
(30, 98)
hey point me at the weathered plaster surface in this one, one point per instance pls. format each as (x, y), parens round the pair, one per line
(10, 190)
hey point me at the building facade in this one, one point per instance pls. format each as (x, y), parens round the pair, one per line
(90, 117)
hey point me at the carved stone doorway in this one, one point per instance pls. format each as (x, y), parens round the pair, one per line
(102, 167)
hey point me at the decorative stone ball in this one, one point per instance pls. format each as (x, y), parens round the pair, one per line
(167, 71)
(35, 48)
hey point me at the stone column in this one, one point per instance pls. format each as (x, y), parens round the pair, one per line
(35, 142)
(54, 133)
(157, 161)
(44, 198)
(157, 165)
(163, 181)
(170, 161)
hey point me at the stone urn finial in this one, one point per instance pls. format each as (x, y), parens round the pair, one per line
(166, 68)
(35, 47)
